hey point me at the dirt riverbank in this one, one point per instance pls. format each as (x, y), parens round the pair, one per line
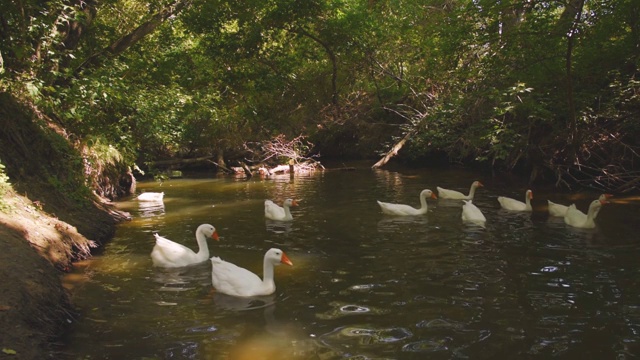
(47, 220)
(35, 250)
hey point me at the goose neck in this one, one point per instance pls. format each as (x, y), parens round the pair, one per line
(268, 273)
(287, 211)
(203, 247)
(423, 202)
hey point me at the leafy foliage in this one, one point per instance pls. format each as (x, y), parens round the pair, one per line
(537, 86)
(5, 186)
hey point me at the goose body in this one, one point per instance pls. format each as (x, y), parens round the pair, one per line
(457, 195)
(275, 212)
(151, 196)
(167, 253)
(404, 210)
(559, 210)
(516, 205)
(230, 279)
(577, 218)
(471, 213)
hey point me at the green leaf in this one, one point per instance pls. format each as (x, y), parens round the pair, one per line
(9, 351)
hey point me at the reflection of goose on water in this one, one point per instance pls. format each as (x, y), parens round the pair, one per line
(395, 223)
(229, 302)
(182, 278)
(278, 227)
(151, 208)
(278, 340)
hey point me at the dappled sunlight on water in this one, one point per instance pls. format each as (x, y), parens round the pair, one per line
(364, 285)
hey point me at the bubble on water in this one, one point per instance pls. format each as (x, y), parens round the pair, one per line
(364, 287)
(340, 309)
(202, 329)
(354, 309)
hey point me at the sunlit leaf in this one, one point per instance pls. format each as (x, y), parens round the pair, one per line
(9, 351)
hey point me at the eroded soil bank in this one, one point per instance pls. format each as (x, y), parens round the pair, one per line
(35, 250)
(44, 227)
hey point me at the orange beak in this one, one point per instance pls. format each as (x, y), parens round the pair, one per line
(480, 184)
(294, 203)
(285, 260)
(531, 195)
(433, 196)
(214, 236)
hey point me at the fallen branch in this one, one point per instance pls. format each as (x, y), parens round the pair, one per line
(394, 150)
(180, 161)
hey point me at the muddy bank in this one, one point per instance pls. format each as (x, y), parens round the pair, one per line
(48, 218)
(35, 250)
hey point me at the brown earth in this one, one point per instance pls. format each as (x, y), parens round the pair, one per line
(44, 227)
(35, 250)
(33, 306)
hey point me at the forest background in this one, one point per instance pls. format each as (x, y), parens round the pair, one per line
(95, 92)
(545, 88)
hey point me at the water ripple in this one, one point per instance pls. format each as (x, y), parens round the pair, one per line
(339, 310)
(367, 335)
(364, 287)
(426, 346)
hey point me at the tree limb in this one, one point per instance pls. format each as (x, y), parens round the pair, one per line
(135, 36)
(394, 150)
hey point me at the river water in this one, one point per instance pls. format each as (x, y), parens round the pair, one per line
(364, 285)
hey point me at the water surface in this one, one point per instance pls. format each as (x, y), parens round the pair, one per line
(364, 285)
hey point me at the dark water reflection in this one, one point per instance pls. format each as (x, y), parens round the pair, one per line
(365, 285)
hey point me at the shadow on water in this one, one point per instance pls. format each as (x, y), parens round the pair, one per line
(364, 285)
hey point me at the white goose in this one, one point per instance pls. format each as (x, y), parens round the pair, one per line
(457, 195)
(231, 279)
(275, 212)
(471, 213)
(577, 218)
(560, 210)
(151, 196)
(515, 205)
(403, 210)
(167, 253)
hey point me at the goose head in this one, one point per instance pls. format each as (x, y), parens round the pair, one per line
(290, 202)
(428, 194)
(209, 231)
(277, 257)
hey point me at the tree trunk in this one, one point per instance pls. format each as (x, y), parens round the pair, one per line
(73, 30)
(394, 150)
(135, 36)
(334, 69)
(574, 8)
